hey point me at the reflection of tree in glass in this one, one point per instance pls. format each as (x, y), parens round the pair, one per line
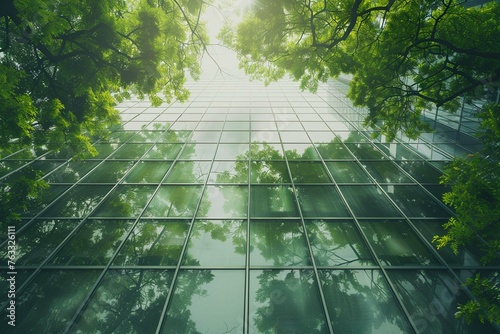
(365, 295)
(126, 301)
(286, 302)
(280, 243)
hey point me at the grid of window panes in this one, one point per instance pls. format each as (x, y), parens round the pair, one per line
(248, 209)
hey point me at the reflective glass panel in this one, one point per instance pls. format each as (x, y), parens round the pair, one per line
(153, 243)
(50, 301)
(347, 172)
(224, 202)
(278, 243)
(163, 151)
(272, 201)
(131, 151)
(308, 172)
(321, 201)
(108, 172)
(414, 202)
(126, 301)
(198, 151)
(148, 172)
(270, 171)
(94, 243)
(385, 172)
(229, 171)
(396, 244)
(365, 151)
(125, 201)
(421, 171)
(78, 202)
(360, 301)
(334, 151)
(300, 152)
(206, 301)
(285, 301)
(72, 172)
(189, 172)
(432, 297)
(218, 243)
(174, 201)
(368, 201)
(337, 243)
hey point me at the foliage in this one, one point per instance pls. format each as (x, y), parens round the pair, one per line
(475, 196)
(65, 64)
(404, 56)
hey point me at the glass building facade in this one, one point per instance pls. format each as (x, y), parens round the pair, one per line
(247, 209)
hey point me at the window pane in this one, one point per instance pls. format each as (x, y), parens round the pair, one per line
(308, 172)
(128, 301)
(72, 172)
(94, 243)
(396, 244)
(224, 202)
(229, 171)
(385, 172)
(347, 172)
(337, 243)
(206, 301)
(414, 202)
(50, 301)
(174, 201)
(285, 301)
(278, 243)
(365, 151)
(108, 172)
(360, 301)
(321, 201)
(334, 151)
(163, 151)
(125, 201)
(189, 172)
(131, 151)
(432, 297)
(421, 171)
(273, 201)
(148, 172)
(269, 172)
(368, 201)
(219, 243)
(199, 151)
(300, 152)
(78, 202)
(154, 243)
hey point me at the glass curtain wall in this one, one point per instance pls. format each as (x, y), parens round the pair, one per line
(248, 209)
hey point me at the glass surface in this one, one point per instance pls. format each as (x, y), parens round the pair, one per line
(308, 172)
(321, 201)
(108, 172)
(72, 171)
(224, 202)
(337, 243)
(414, 202)
(421, 171)
(266, 151)
(198, 152)
(50, 301)
(360, 301)
(104, 149)
(189, 172)
(347, 172)
(232, 151)
(396, 244)
(235, 136)
(205, 136)
(174, 201)
(333, 151)
(131, 151)
(385, 172)
(126, 301)
(266, 136)
(432, 297)
(278, 243)
(229, 171)
(272, 201)
(153, 243)
(365, 151)
(125, 201)
(44, 199)
(368, 201)
(206, 301)
(285, 301)
(219, 243)
(163, 151)
(37, 241)
(294, 136)
(78, 202)
(148, 172)
(94, 243)
(300, 152)
(269, 171)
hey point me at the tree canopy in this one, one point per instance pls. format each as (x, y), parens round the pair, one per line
(64, 64)
(404, 56)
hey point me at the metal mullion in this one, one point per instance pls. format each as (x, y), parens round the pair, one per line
(311, 255)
